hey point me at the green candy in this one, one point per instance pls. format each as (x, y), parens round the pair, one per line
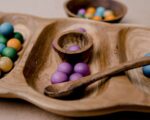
(9, 52)
(3, 40)
(19, 36)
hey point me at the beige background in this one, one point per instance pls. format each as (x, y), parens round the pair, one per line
(138, 13)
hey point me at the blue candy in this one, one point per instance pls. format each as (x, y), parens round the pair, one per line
(2, 46)
(146, 69)
(100, 11)
(6, 29)
(148, 54)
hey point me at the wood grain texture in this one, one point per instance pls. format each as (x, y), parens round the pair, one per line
(38, 60)
(133, 44)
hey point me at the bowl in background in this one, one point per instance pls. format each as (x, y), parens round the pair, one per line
(72, 6)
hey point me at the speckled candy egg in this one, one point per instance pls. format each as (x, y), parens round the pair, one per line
(100, 11)
(110, 17)
(82, 68)
(74, 48)
(88, 15)
(6, 64)
(97, 18)
(59, 77)
(14, 43)
(9, 52)
(6, 29)
(91, 10)
(146, 69)
(81, 12)
(108, 13)
(3, 39)
(75, 76)
(65, 67)
(2, 46)
(19, 36)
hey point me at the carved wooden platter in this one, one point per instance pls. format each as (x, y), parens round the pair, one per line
(112, 45)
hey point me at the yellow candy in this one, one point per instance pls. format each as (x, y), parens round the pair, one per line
(110, 17)
(97, 18)
(14, 43)
(91, 10)
(88, 15)
(108, 13)
(6, 64)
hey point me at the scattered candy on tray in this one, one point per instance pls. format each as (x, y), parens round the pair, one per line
(98, 14)
(146, 69)
(10, 44)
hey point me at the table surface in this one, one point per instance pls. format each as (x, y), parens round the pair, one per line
(138, 13)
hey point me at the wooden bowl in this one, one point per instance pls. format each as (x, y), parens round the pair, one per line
(72, 6)
(112, 45)
(73, 37)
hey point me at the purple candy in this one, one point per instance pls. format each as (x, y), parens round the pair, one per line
(82, 68)
(81, 11)
(75, 76)
(74, 48)
(65, 67)
(59, 77)
(82, 30)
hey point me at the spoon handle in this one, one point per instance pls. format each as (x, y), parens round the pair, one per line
(113, 71)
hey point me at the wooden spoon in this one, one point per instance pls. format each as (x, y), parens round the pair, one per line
(68, 88)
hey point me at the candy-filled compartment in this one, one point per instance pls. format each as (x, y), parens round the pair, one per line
(133, 44)
(44, 59)
(24, 28)
(74, 45)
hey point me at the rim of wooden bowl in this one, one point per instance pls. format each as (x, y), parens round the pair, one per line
(115, 19)
(86, 48)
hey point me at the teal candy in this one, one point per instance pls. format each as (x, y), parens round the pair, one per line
(19, 36)
(2, 46)
(148, 54)
(146, 69)
(7, 29)
(9, 52)
(3, 39)
(100, 11)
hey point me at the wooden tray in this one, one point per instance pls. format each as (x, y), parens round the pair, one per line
(113, 44)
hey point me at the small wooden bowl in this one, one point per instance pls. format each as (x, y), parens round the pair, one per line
(72, 6)
(73, 37)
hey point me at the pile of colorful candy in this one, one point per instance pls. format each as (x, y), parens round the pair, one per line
(68, 72)
(97, 14)
(10, 44)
